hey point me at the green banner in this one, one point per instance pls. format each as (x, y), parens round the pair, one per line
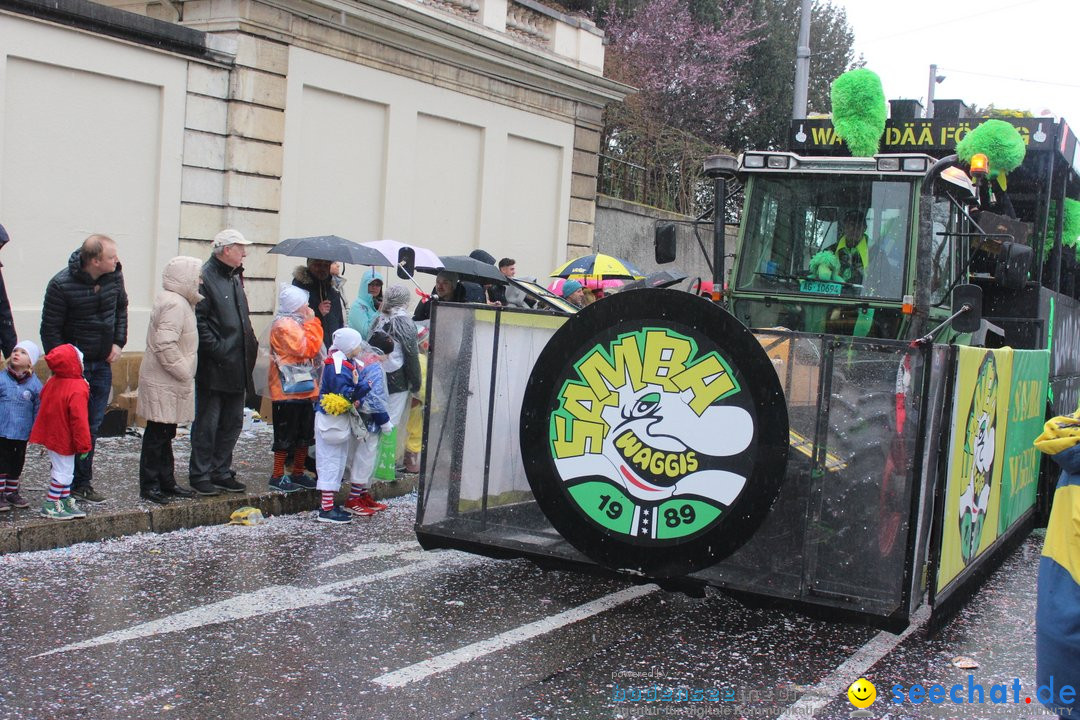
(1027, 410)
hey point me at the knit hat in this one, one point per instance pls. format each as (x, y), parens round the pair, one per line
(346, 340)
(291, 299)
(31, 349)
(381, 342)
(395, 296)
(229, 237)
(570, 287)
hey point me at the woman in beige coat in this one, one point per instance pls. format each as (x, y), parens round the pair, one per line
(167, 377)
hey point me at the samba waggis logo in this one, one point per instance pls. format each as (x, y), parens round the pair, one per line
(980, 444)
(650, 437)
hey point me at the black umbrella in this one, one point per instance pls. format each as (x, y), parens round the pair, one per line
(656, 280)
(468, 269)
(329, 247)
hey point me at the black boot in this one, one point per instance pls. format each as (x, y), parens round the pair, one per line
(171, 488)
(155, 495)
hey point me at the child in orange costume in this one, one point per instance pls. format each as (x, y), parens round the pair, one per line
(296, 339)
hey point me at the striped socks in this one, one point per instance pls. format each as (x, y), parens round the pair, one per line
(356, 490)
(4, 483)
(57, 491)
(298, 458)
(279, 463)
(327, 502)
(12, 484)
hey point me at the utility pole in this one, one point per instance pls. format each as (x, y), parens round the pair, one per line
(802, 63)
(934, 80)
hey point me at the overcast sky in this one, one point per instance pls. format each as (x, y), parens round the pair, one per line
(1022, 54)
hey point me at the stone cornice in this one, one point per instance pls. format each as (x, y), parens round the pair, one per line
(432, 35)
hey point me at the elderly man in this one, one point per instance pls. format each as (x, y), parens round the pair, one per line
(86, 305)
(224, 366)
(323, 296)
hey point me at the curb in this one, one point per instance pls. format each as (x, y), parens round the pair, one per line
(50, 534)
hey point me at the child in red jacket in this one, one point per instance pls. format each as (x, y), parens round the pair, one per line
(63, 427)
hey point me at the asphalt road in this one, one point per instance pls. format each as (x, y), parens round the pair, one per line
(295, 619)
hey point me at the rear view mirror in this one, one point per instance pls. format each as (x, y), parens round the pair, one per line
(1013, 263)
(828, 213)
(969, 320)
(406, 263)
(664, 244)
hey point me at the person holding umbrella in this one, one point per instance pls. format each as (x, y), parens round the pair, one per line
(323, 296)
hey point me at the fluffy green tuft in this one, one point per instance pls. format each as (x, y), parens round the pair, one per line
(824, 259)
(1070, 233)
(858, 111)
(999, 141)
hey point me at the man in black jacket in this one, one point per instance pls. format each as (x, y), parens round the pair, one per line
(323, 298)
(86, 305)
(8, 338)
(224, 366)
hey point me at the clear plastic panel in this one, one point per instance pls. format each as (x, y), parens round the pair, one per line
(473, 485)
(838, 534)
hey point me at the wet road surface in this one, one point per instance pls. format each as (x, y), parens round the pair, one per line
(294, 619)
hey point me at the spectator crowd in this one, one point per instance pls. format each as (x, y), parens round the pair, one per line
(340, 377)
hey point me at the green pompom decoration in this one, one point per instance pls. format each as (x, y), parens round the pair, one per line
(1070, 233)
(825, 265)
(999, 141)
(858, 111)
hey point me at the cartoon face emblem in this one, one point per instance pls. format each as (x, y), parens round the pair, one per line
(650, 423)
(979, 448)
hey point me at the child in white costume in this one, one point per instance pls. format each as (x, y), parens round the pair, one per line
(352, 372)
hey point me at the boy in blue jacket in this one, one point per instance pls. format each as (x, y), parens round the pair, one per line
(20, 398)
(353, 381)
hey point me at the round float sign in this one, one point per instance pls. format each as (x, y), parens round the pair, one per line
(654, 432)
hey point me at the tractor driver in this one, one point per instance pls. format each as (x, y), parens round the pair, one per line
(852, 249)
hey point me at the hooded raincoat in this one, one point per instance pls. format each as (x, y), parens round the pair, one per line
(167, 372)
(62, 423)
(363, 311)
(1057, 615)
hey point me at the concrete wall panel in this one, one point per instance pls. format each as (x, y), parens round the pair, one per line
(91, 138)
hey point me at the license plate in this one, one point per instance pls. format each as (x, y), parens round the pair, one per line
(819, 287)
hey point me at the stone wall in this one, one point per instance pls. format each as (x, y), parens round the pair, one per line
(626, 230)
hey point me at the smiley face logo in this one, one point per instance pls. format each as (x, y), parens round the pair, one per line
(862, 693)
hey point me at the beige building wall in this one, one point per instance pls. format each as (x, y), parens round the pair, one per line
(91, 136)
(372, 155)
(452, 127)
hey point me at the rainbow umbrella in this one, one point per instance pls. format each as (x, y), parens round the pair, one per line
(599, 267)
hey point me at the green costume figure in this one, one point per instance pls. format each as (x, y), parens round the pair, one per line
(853, 248)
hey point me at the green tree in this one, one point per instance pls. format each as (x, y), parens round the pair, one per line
(761, 104)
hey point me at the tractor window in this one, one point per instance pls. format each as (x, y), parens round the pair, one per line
(795, 235)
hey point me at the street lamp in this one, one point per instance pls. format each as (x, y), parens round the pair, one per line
(720, 168)
(935, 79)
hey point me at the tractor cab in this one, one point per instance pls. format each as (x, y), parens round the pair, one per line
(828, 244)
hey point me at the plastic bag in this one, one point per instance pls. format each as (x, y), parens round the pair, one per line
(298, 379)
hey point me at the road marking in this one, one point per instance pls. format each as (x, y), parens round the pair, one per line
(837, 682)
(450, 660)
(367, 551)
(264, 601)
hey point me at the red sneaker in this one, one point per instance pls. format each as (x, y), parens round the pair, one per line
(358, 507)
(369, 501)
